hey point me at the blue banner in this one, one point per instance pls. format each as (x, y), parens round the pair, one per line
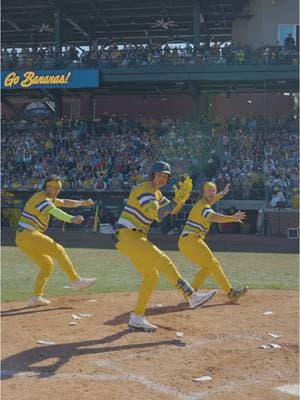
(50, 79)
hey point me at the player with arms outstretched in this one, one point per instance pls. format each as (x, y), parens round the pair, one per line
(145, 205)
(191, 242)
(30, 237)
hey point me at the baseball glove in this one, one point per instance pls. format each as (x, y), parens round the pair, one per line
(183, 190)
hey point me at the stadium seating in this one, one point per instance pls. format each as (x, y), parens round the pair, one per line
(145, 55)
(115, 152)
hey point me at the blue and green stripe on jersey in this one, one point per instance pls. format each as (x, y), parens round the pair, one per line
(206, 211)
(193, 227)
(43, 204)
(32, 220)
(146, 198)
(132, 218)
(25, 226)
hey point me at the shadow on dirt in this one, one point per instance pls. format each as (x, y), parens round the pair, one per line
(25, 363)
(123, 318)
(30, 310)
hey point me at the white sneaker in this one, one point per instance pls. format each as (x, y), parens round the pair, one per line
(197, 299)
(82, 283)
(38, 301)
(140, 322)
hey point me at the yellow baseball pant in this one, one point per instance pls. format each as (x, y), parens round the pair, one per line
(41, 248)
(195, 249)
(149, 260)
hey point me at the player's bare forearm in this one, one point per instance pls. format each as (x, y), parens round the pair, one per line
(217, 198)
(223, 219)
(68, 203)
(220, 195)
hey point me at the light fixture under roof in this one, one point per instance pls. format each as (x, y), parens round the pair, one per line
(160, 23)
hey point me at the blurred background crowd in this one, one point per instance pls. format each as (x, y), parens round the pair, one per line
(258, 156)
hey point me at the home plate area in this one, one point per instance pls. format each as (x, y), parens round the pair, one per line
(218, 352)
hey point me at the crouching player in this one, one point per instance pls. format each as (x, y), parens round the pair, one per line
(145, 205)
(30, 237)
(192, 245)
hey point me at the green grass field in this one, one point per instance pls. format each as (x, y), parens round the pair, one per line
(116, 274)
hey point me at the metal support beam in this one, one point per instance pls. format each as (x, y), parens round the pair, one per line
(58, 106)
(48, 94)
(208, 104)
(196, 102)
(196, 24)
(14, 25)
(79, 29)
(92, 107)
(50, 109)
(223, 15)
(100, 14)
(57, 32)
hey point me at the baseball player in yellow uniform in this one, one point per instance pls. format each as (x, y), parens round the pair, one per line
(30, 237)
(146, 204)
(192, 245)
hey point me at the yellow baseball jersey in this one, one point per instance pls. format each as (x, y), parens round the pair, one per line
(134, 214)
(35, 215)
(198, 221)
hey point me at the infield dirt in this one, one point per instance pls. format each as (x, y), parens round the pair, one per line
(100, 358)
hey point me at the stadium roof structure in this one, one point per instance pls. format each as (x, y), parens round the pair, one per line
(27, 23)
(31, 22)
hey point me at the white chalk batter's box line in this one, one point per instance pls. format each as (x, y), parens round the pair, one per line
(157, 387)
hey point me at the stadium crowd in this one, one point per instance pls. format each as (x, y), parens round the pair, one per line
(260, 157)
(146, 55)
(256, 155)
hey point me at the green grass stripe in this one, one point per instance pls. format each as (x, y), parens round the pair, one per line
(115, 273)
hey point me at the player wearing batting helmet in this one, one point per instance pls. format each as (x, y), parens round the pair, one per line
(30, 237)
(192, 245)
(145, 205)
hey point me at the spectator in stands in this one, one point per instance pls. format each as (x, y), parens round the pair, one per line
(240, 56)
(140, 55)
(210, 169)
(257, 190)
(100, 184)
(278, 199)
(114, 183)
(215, 159)
(269, 156)
(120, 148)
(289, 42)
(294, 177)
(266, 54)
